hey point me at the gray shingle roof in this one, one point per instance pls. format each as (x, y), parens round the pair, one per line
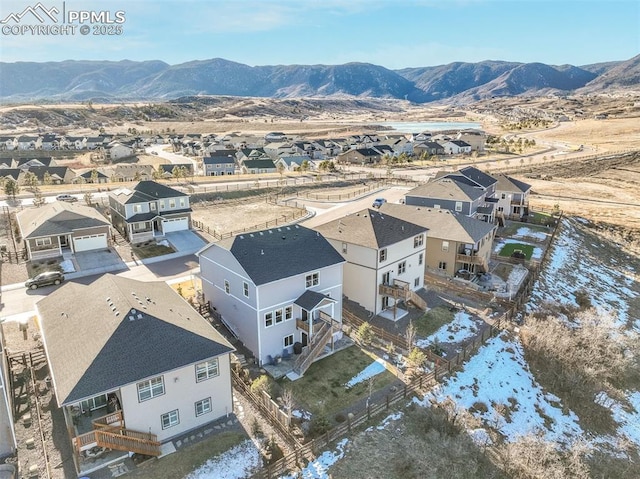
(277, 253)
(370, 228)
(310, 299)
(58, 218)
(447, 189)
(442, 224)
(91, 350)
(145, 191)
(507, 183)
(478, 176)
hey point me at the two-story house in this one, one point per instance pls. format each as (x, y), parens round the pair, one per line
(275, 288)
(512, 195)
(385, 258)
(219, 165)
(132, 365)
(149, 210)
(454, 241)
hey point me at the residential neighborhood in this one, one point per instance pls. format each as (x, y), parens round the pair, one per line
(269, 302)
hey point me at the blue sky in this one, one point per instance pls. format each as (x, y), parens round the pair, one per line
(392, 33)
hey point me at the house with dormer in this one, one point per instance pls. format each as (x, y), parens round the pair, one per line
(149, 210)
(132, 365)
(384, 255)
(274, 289)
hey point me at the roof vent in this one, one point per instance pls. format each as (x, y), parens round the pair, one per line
(241, 236)
(270, 232)
(139, 315)
(261, 233)
(132, 318)
(251, 234)
(261, 251)
(284, 237)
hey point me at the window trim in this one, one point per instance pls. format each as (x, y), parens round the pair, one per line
(245, 289)
(169, 415)
(402, 267)
(43, 241)
(227, 286)
(268, 318)
(202, 402)
(445, 245)
(418, 241)
(151, 388)
(278, 313)
(288, 337)
(312, 279)
(421, 258)
(288, 313)
(209, 366)
(382, 255)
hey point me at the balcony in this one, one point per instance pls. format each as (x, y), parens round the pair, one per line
(469, 258)
(397, 289)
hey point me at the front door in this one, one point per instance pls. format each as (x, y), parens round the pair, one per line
(64, 241)
(305, 339)
(386, 278)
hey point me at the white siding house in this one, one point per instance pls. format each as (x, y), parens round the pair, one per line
(274, 288)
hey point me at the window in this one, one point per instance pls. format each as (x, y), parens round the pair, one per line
(278, 316)
(137, 208)
(170, 419)
(420, 258)
(227, 287)
(442, 265)
(218, 165)
(402, 267)
(268, 319)
(416, 282)
(206, 370)
(288, 313)
(383, 255)
(458, 206)
(150, 389)
(445, 246)
(152, 206)
(172, 203)
(312, 280)
(203, 407)
(288, 341)
(182, 202)
(245, 288)
(43, 241)
(418, 241)
(162, 205)
(503, 196)
(344, 247)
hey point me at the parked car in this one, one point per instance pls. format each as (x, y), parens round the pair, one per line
(463, 273)
(378, 202)
(68, 198)
(44, 279)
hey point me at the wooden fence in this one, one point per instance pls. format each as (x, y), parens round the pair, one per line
(279, 221)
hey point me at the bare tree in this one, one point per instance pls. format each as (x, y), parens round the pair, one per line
(410, 335)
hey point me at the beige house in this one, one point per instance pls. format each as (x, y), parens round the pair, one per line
(133, 365)
(385, 258)
(454, 241)
(55, 228)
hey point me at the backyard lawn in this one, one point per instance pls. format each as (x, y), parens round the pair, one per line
(188, 458)
(509, 248)
(432, 320)
(322, 388)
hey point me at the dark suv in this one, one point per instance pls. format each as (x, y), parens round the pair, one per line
(43, 279)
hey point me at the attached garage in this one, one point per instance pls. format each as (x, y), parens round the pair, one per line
(90, 242)
(175, 224)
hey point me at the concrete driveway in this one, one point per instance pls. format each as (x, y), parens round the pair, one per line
(98, 261)
(185, 242)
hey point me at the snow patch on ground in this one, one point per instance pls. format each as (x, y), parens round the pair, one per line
(373, 369)
(67, 266)
(525, 232)
(164, 242)
(498, 377)
(318, 469)
(391, 417)
(462, 327)
(236, 463)
(301, 414)
(574, 265)
(628, 419)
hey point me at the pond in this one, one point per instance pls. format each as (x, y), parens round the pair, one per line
(420, 126)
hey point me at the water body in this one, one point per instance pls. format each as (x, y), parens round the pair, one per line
(420, 126)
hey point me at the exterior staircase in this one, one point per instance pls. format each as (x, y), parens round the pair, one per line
(318, 341)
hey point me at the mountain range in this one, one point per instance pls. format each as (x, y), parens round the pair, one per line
(155, 80)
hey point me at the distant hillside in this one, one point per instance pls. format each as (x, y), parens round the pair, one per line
(153, 80)
(622, 76)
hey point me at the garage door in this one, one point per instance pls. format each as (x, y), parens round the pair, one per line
(86, 243)
(175, 224)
